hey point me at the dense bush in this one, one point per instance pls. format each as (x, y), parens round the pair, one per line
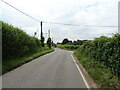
(15, 42)
(105, 50)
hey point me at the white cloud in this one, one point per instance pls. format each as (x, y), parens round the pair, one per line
(92, 12)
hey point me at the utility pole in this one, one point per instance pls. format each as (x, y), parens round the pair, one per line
(42, 38)
(48, 33)
(41, 30)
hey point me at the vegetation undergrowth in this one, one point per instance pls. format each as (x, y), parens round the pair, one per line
(101, 74)
(102, 60)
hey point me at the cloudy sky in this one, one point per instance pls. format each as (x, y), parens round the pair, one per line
(80, 12)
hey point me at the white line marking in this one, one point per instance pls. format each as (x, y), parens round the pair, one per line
(81, 73)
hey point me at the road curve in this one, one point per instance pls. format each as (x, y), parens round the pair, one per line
(53, 70)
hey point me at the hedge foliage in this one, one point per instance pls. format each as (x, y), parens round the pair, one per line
(15, 42)
(69, 47)
(106, 50)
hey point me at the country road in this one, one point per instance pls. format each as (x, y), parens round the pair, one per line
(53, 70)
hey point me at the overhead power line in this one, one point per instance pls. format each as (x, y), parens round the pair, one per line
(78, 25)
(21, 11)
(56, 22)
(61, 23)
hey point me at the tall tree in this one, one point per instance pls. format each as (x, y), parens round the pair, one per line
(65, 41)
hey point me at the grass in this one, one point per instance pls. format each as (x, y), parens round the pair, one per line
(8, 65)
(98, 71)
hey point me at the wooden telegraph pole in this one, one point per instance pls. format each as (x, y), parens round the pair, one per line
(41, 30)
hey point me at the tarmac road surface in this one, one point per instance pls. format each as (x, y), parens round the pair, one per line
(53, 70)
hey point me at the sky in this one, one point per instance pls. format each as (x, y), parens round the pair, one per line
(80, 12)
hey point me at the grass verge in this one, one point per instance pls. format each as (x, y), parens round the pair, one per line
(98, 71)
(11, 64)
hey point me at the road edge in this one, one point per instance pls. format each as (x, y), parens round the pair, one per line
(88, 79)
(27, 61)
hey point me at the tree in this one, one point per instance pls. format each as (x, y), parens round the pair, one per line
(69, 43)
(49, 42)
(65, 41)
